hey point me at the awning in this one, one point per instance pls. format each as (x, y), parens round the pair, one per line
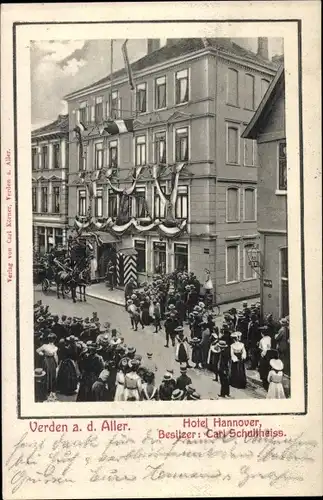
(128, 251)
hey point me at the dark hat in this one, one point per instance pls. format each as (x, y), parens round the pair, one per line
(149, 354)
(131, 350)
(134, 363)
(177, 395)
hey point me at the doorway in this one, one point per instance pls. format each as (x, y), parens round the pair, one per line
(106, 252)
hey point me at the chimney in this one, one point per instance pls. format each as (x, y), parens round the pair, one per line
(152, 45)
(263, 48)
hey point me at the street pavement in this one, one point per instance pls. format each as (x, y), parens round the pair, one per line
(145, 340)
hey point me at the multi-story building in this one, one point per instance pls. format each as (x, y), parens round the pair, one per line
(191, 102)
(268, 128)
(49, 184)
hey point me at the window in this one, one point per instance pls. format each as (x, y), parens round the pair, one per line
(282, 166)
(44, 157)
(160, 148)
(233, 84)
(140, 246)
(41, 240)
(56, 200)
(249, 272)
(44, 200)
(83, 160)
(249, 91)
(232, 264)
(160, 92)
(50, 238)
(141, 98)
(233, 205)
(284, 299)
(159, 205)
(98, 202)
(83, 112)
(56, 154)
(249, 152)
(181, 257)
(159, 257)
(181, 209)
(249, 204)
(58, 237)
(233, 144)
(113, 204)
(34, 199)
(264, 87)
(181, 144)
(98, 161)
(181, 86)
(34, 159)
(115, 105)
(113, 154)
(140, 150)
(140, 203)
(82, 203)
(98, 109)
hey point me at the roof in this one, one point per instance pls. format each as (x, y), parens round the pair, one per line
(180, 48)
(252, 129)
(59, 125)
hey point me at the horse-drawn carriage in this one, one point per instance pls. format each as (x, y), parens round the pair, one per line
(66, 269)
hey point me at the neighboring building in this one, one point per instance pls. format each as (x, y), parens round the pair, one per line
(268, 128)
(193, 98)
(49, 156)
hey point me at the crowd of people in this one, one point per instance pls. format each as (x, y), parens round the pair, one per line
(84, 357)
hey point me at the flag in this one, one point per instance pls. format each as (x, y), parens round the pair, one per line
(127, 65)
(115, 127)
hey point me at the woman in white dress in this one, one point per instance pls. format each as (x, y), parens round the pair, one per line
(120, 378)
(275, 380)
(132, 382)
(50, 362)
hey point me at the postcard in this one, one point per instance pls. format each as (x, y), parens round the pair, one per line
(161, 251)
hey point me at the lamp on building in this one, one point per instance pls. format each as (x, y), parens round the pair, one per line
(256, 262)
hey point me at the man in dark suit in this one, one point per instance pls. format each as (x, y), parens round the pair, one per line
(223, 369)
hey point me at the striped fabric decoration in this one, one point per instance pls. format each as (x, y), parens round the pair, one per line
(130, 268)
(115, 127)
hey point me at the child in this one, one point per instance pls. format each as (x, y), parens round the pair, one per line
(275, 380)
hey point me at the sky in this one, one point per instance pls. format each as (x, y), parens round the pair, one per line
(61, 66)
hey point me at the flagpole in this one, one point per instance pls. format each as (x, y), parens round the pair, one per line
(111, 71)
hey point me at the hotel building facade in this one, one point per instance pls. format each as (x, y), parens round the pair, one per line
(192, 100)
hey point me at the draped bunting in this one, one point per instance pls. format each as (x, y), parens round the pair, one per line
(127, 191)
(170, 231)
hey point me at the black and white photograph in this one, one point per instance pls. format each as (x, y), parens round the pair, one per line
(159, 219)
(161, 249)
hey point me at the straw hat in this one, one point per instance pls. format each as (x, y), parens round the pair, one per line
(215, 348)
(179, 329)
(222, 344)
(39, 373)
(167, 376)
(177, 395)
(195, 396)
(283, 321)
(276, 364)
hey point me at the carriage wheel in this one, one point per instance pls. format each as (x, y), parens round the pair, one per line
(45, 285)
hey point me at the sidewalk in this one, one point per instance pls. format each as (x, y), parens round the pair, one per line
(102, 292)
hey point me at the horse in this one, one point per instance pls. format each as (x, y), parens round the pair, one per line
(82, 282)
